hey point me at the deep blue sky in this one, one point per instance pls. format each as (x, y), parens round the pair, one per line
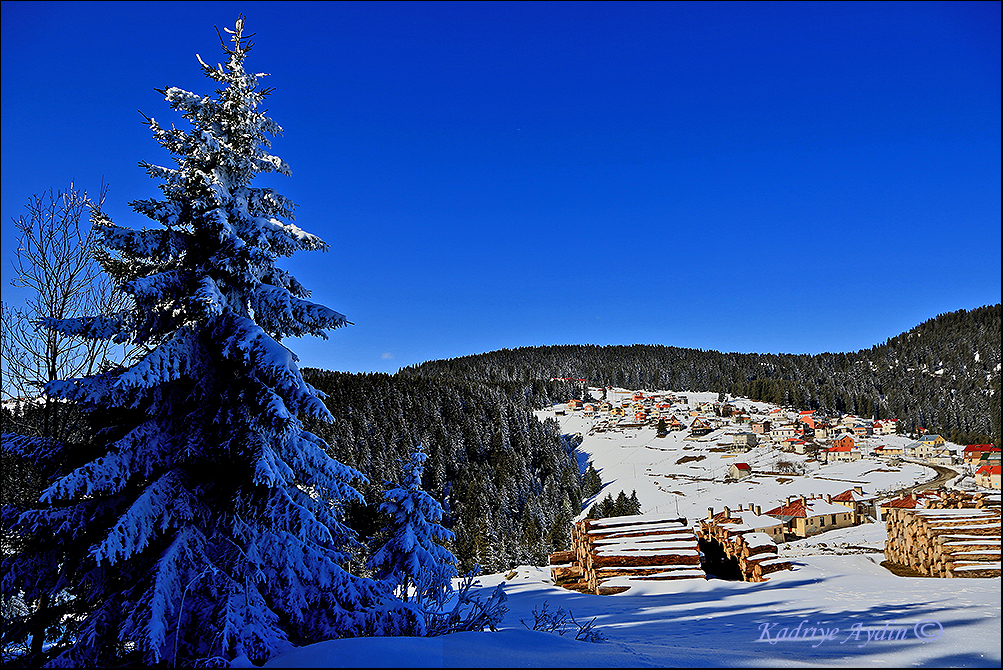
(742, 177)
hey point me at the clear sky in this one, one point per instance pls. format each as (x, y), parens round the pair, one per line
(741, 177)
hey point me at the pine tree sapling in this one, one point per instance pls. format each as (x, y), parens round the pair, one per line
(413, 562)
(202, 522)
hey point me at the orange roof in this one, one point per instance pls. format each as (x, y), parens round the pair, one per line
(909, 502)
(903, 503)
(839, 449)
(849, 495)
(796, 509)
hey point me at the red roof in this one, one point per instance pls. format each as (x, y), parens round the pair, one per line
(905, 503)
(909, 502)
(981, 447)
(795, 509)
(745, 466)
(839, 449)
(988, 470)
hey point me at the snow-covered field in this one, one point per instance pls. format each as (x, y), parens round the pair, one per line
(838, 606)
(931, 622)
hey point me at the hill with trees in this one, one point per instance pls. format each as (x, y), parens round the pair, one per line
(943, 375)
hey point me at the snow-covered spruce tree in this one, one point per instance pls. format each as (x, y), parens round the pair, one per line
(420, 570)
(204, 525)
(413, 562)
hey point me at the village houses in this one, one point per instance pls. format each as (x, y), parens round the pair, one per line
(988, 477)
(840, 454)
(888, 450)
(804, 517)
(844, 441)
(754, 519)
(744, 441)
(973, 452)
(856, 500)
(904, 501)
(781, 433)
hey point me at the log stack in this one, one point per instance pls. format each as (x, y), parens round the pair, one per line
(945, 542)
(756, 553)
(566, 571)
(954, 499)
(645, 547)
(758, 557)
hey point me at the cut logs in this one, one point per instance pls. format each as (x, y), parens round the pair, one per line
(643, 546)
(954, 499)
(945, 542)
(756, 553)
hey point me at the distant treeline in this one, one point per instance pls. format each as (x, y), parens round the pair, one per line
(510, 484)
(943, 375)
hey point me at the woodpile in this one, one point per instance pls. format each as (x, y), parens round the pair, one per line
(953, 499)
(945, 542)
(756, 553)
(645, 547)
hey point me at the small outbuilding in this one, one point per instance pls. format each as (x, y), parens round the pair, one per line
(739, 470)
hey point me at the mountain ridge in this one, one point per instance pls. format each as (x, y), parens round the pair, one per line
(942, 375)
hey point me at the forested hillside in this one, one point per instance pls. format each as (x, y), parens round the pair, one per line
(509, 484)
(943, 375)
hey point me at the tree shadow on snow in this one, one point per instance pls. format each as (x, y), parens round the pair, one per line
(767, 625)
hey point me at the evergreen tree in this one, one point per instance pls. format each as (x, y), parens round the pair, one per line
(591, 482)
(413, 562)
(620, 506)
(202, 522)
(662, 428)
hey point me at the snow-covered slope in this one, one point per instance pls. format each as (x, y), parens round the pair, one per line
(935, 622)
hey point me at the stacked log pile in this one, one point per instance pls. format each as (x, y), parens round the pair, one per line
(954, 499)
(756, 553)
(757, 556)
(566, 571)
(945, 542)
(654, 547)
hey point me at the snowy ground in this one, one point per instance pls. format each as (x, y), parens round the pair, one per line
(837, 582)
(936, 622)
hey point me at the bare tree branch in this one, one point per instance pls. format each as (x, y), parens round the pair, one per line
(55, 264)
